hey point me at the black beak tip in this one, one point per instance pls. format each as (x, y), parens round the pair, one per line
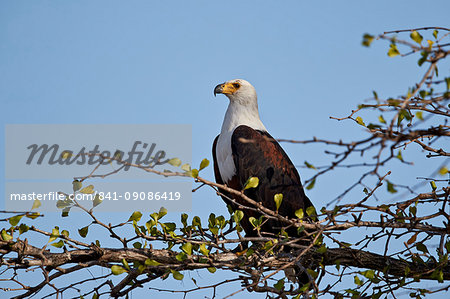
(218, 89)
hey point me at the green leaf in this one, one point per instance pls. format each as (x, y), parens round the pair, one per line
(252, 182)
(118, 155)
(415, 36)
(413, 210)
(5, 235)
(433, 185)
(278, 198)
(125, 264)
(360, 121)
(97, 200)
(65, 233)
(268, 247)
(399, 155)
(253, 221)
(438, 275)
(372, 126)
(435, 33)
(394, 102)
(313, 273)
(15, 220)
(214, 230)
(311, 184)
(230, 209)
(212, 269)
(358, 281)
(310, 165)
(83, 231)
(181, 257)
(137, 245)
(375, 95)
(311, 211)
(279, 285)
(442, 171)
(23, 228)
(58, 244)
(196, 222)
(421, 247)
(367, 40)
(393, 51)
(238, 215)
(322, 249)
(204, 163)
(187, 248)
(390, 187)
(403, 114)
(152, 263)
(117, 270)
(381, 119)
(177, 275)
(447, 82)
(423, 58)
(370, 274)
(221, 222)
(65, 212)
(76, 185)
(136, 216)
(192, 173)
(203, 249)
(54, 235)
(186, 167)
(419, 115)
(338, 264)
(87, 190)
(423, 93)
(299, 213)
(154, 217)
(249, 252)
(36, 204)
(162, 212)
(33, 215)
(174, 162)
(61, 204)
(169, 226)
(184, 218)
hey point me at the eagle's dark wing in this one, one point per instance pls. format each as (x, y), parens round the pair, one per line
(257, 154)
(234, 183)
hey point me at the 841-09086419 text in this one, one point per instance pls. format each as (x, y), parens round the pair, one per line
(141, 195)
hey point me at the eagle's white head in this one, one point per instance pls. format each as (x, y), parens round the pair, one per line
(238, 91)
(243, 107)
(242, 110)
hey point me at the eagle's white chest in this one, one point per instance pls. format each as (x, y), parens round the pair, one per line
(235, 116)
(224, 156)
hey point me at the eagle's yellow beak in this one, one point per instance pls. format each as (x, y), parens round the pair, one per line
(225, 88)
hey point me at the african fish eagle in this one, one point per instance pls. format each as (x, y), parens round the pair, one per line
(245, 149)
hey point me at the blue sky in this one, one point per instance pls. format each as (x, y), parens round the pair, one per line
(114, 62)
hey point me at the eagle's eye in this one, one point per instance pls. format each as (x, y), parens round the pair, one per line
(236, 85)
